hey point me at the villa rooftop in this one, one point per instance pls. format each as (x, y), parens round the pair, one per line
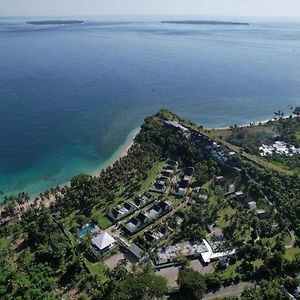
(176, 125)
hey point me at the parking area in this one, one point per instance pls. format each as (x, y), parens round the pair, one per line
(113, 260)
(199, 267)
(171, 274)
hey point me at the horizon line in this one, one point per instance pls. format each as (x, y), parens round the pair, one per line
(151, 15)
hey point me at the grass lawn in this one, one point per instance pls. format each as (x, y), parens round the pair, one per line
(272, 240)
(221, 222)
(298, 136)
(100, 216)
(174, 200)
(152, 174)
(287, 238)
(261, 203)
(252, 130)
(231, 271)
(207, 185)
(101, 219)
(291, 253)
(97, 269)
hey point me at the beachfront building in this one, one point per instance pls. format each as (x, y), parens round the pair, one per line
(145, 218)
(203, 250)
(212, 254)
(171, 253)
(182, 186)
(278, 147)
(262, 214)
(143, 200)
(231, 189)
(103, 242)
(136, 251)
(220, 180)
(176, 125)
(138, 222)
(121, 212)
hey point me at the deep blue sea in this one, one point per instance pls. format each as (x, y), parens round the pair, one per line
(71, 96)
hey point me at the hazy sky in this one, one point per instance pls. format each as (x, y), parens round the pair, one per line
(150, 7)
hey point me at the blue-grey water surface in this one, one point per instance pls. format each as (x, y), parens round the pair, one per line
(71, 96)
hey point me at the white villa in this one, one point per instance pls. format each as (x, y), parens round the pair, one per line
(280, 148)
(176, 125)
(103, 242)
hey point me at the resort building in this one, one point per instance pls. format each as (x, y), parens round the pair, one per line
(240, 195)
(136, 251)
(176, 125)
(170, 254)
(220, 180)
(280, 148)
(231, 189)
(144, 218)
(155, 236)
(172, 164)
(251, 205)
(103, 242)
(188, 173)
(143, 200)
(211, 254)
(159, 187)
(199, 249)
(121, 211)
(136, 223)
(262, 214)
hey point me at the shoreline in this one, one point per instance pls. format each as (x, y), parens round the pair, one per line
(114, 158)
(121, 152)
(256, 123)
(129, 142)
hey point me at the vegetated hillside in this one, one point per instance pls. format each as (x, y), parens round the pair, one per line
(41, 258)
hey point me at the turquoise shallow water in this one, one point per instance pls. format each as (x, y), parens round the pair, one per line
(56, 168)
(71, 96)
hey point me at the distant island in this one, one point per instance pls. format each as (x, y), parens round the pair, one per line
(54, 22)
(195, 22)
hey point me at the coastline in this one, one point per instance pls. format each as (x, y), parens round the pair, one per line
(256, 123)
(121, 152)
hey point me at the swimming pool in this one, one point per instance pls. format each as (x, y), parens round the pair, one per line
(86, 229)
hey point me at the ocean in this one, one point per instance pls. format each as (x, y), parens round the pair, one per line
(72, 96)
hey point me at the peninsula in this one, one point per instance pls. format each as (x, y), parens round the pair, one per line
(204, 22)
(189, 211)
(54, 22)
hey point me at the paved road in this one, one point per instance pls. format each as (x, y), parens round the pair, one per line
(233, 290)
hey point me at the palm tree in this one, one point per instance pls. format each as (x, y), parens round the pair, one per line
(279, 114)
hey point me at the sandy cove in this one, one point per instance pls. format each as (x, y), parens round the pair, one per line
(256, 123)
(47, 201)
